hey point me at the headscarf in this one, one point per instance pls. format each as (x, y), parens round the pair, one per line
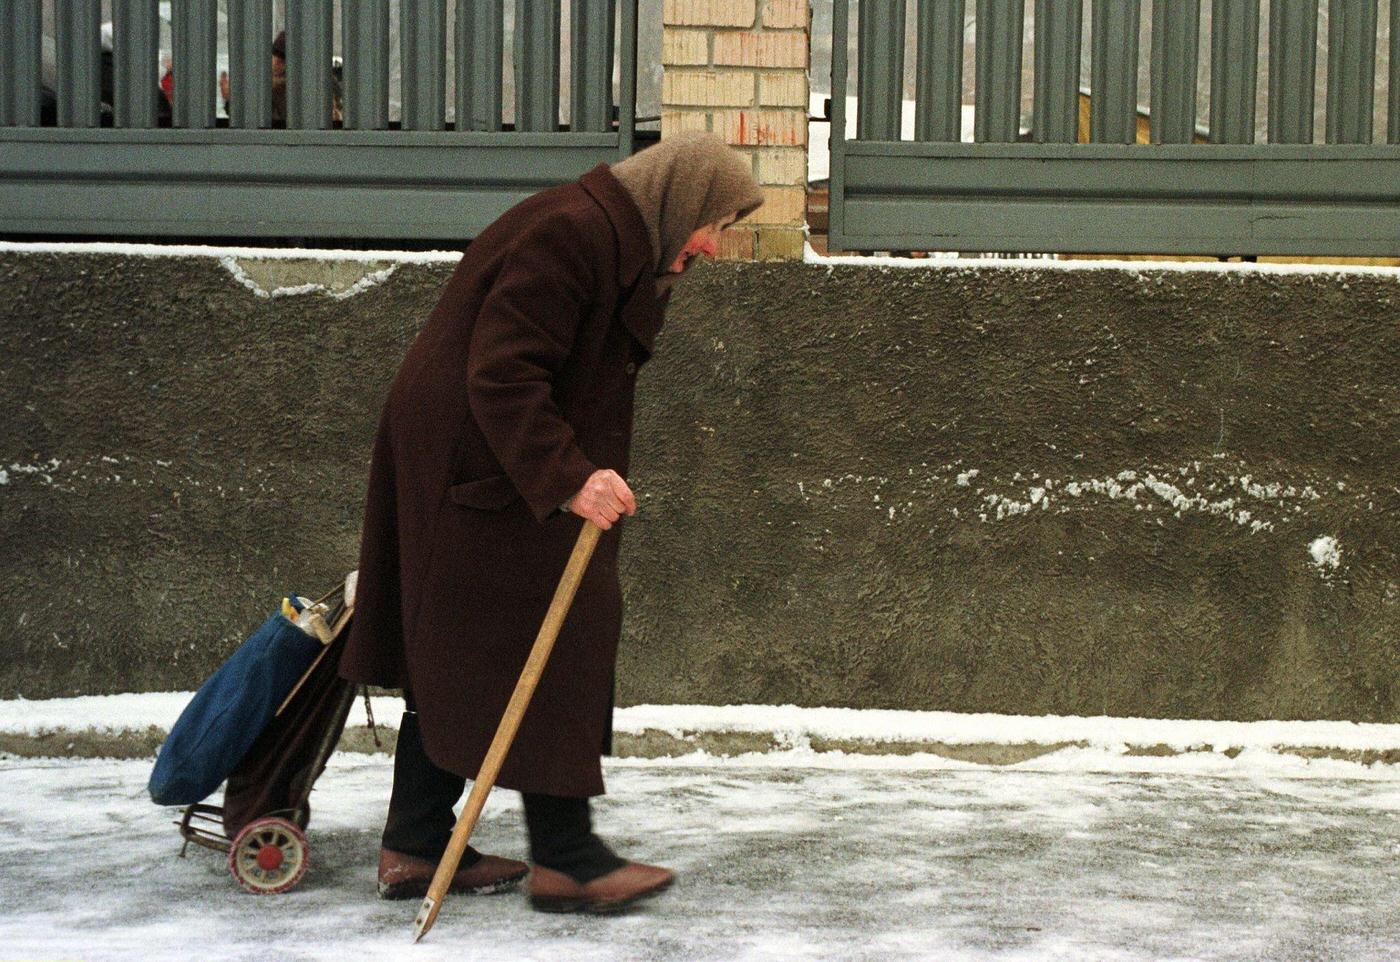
(682, 183)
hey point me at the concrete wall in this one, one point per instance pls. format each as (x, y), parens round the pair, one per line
(978, 489)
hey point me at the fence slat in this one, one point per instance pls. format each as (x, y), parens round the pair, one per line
(309, 25)
(20, 52)
(939, 63)
(1234, 70)
(1292, 70)
(135, 62)
(998, 69)
(537, 65)
(1176, 37)
(480, 40)
(365, 39)
(422, 35)
(1394, 135)
(250, 63)
(78, 55)
(1113, 72)
(840, 76)
(880, 74)
(193, 29)
(1058, 25)
(1351, 70)
(591, 60)
(627, 84)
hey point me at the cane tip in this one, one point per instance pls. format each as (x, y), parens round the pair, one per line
(427, 912)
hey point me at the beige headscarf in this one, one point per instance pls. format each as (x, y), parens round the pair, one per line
(681, 183)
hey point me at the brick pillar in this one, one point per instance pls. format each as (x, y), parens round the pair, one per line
(739, 68)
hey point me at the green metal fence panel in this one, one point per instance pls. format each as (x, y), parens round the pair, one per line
(365, 38)
(1351, 70)
(1292, 70)
(1176, 39)
(1173, 196)
(422, 35)
(21, 32)
(480, 40)
(1234, 70)
(250, 62)
(248, 178)
(1114, 70)
(309, 94)
(78, 57)
(998, 67)
(1121, 198)
(536, 64)
(880, 52)
(135, 62)
(590, 60)
(1055, 114)
(194, 34)
(938, 65)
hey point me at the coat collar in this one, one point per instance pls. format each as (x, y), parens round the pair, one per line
(634, 251)
(642, 311)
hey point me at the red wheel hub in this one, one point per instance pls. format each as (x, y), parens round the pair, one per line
(269, 858)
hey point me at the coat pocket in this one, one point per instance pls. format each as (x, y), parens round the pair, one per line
(487, 494)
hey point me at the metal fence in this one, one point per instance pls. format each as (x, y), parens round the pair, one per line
(1038, 189)
(308, 148)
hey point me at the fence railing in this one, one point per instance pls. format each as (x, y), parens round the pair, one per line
(1039, 190)
(307, 148)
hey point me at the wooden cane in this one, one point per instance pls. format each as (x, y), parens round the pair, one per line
(510, 722)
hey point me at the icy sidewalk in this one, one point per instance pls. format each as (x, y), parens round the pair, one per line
(914, 860)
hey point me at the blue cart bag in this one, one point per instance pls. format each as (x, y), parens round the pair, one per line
(230, 711)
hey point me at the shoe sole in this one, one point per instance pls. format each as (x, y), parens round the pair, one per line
(545, 903)
(417, 890)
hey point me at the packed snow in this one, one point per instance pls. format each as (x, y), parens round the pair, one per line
(1078, 743)
(774, 863)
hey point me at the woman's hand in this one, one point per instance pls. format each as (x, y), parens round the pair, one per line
(603, 499)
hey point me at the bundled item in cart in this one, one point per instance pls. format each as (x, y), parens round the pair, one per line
(266, 722)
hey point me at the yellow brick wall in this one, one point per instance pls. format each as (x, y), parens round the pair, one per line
(739, 68)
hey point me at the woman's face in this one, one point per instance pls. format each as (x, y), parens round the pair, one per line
(703, 241)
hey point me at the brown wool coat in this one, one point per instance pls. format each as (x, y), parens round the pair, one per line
(517, 388)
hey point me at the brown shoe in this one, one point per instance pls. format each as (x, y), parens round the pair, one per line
(552, 891)
(408, 877)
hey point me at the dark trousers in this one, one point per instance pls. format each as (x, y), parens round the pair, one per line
(421, 819)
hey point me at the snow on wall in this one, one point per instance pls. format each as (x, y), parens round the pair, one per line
(203, 250)
(951, 261)
(71, 474)
(363, 284)
(1219, 488)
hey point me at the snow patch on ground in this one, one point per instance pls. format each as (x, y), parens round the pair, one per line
(791, 725)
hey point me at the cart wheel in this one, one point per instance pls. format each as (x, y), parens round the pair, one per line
(269, 856)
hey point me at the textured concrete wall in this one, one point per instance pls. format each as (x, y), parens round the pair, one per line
(972, 489)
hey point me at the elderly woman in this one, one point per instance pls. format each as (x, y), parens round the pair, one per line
(508, 423)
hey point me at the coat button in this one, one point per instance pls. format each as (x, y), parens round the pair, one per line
(631, 367)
